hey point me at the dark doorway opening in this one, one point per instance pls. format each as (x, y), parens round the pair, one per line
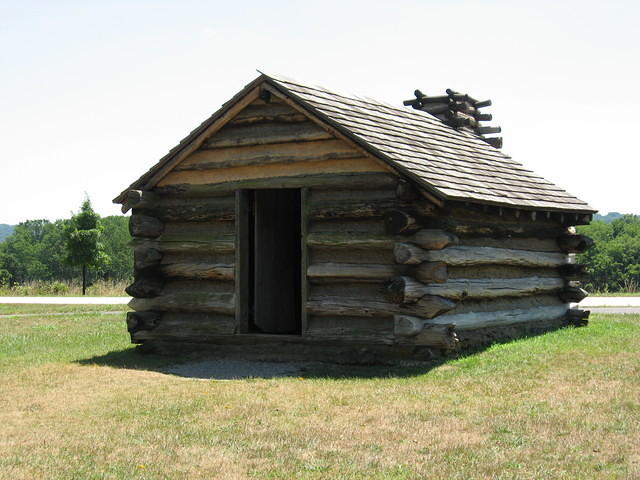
(273, 261)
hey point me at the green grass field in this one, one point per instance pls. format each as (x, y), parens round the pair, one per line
(77, 403)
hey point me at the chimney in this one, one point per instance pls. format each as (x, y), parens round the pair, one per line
(460, 111)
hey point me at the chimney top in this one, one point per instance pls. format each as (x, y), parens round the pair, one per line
(460, 111)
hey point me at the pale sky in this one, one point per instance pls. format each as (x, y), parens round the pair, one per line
(93, 93)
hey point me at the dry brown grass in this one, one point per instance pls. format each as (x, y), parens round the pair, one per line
(565, 405)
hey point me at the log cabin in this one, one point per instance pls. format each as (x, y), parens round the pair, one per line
(300, 223)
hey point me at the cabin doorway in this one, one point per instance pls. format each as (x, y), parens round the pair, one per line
(272, 261)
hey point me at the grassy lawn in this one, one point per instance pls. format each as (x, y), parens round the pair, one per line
(19, 309)
(76, 402)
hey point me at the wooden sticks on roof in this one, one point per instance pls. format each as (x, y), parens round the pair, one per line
(458, 110)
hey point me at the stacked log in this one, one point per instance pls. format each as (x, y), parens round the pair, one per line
(577, 317)
(477, 320)
(458, 110)
(572, 244)
(414, 330)
(422, 281)
(406, 290)
(418, 284)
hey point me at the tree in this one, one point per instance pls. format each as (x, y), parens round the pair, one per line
(83, 244)
(614, 261)
(116, 240)
(21, 252)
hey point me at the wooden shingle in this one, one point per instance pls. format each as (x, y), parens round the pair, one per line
(454, 164)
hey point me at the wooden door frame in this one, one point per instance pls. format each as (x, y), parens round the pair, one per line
(304, 280)
(242, 267)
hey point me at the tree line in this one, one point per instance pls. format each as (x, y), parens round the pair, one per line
(614, 260)
(40, 250)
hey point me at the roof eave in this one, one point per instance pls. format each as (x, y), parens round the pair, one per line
(586, 210)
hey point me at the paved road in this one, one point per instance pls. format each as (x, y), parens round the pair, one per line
(68, 300)
(616, 302)
(616, 310)
(610, 302)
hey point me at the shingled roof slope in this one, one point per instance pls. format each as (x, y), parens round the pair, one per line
(455, 164)
(452, 164)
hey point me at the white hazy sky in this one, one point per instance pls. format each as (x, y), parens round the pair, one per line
(92, 93)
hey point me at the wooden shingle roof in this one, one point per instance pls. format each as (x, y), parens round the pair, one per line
(451, 164)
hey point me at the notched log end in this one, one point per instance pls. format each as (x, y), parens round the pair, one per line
(404, 254)
(398, 222)
(137, 321)
(577, 317)
(394, 290)
(413, 330)
(573, 270)
(407, 326)
(145, 226)
(434, 239)
(145, 287)
(573, 295)
(575, 243)
(134, 197)
(145, 259)
(433, 305)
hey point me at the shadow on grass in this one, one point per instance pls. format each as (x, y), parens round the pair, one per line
(208, 366)
(130, 358)
(236, 366)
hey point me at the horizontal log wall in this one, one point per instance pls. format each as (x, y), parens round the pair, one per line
(501, 270)
(184, 249)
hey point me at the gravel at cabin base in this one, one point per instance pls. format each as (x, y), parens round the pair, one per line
(235, 369)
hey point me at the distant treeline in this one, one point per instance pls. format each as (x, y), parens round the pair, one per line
(36, 251)
(614, 260)
(609, 217)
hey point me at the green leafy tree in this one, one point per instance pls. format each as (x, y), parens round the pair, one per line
(52, 251)
(614, 261)
(116, 240)
(21, 252)
(84, 248)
